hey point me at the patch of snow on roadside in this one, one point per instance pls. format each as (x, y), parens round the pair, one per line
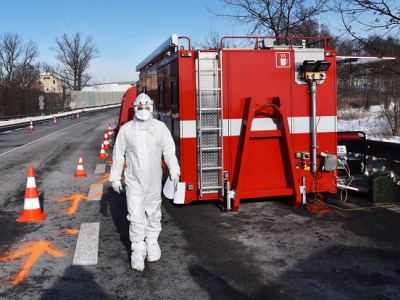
(372, 123)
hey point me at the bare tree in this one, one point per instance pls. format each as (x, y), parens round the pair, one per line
(375, 26)
(16, 61)
(17, 72)
(363, 18)
(373, 83)
(310, 27)
(390, 105)
(75, 54)
(275, 17)
(211, 41)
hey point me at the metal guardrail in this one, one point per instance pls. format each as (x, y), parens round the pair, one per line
(65, 115)
(18, 117)
(44, 120)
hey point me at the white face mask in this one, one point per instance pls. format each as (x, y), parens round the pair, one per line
(143, 114)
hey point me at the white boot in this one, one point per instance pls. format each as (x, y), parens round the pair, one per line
(153, 251)
(137, 258)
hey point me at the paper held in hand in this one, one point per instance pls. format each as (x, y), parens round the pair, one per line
(178, 195)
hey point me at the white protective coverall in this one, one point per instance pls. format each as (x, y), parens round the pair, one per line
(142, 143)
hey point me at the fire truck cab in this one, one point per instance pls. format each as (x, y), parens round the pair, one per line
(252, 121)
(126, 109)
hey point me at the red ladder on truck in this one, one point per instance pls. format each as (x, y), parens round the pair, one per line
(246, 160)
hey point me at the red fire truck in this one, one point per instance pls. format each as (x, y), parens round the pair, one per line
(254, 118)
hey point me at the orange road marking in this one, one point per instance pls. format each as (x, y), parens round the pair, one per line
(34, 250)
(71, 231)
(75, 198)
(105, 176)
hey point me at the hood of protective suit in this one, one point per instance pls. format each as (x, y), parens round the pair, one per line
(143, 115)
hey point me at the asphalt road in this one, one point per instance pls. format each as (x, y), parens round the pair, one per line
(266, 250)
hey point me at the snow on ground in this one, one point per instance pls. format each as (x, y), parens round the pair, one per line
(109, 87)
(371, 122)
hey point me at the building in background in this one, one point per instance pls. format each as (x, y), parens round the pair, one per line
(48, 83)
(53, 92)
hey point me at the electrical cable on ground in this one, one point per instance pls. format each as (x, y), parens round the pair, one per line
(362, 208)
(317, 205)
(344, 182)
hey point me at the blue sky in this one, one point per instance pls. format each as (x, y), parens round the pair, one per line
(125, 31)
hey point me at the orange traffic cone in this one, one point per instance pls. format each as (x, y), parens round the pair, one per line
(32, 211)
(54, 120)
(110, 132)
(103, 153)
(80, 172)
(106, 142)
(77, 115)
(31, 128)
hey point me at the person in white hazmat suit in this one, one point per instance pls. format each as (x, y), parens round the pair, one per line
(142, 142)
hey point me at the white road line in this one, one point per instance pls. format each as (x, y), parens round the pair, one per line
(87, 246)
(100, 168)
(96, 191)
(42, 138)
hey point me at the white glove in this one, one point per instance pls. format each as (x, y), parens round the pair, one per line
(117, 186)
(175, 181)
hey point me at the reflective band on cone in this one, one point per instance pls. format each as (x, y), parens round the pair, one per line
(80, 172)
(32, 211)
(110, 132)
(103, 153)
(106, 142)
(31, 127)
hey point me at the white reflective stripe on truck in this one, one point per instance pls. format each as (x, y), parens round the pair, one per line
(297, 125)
